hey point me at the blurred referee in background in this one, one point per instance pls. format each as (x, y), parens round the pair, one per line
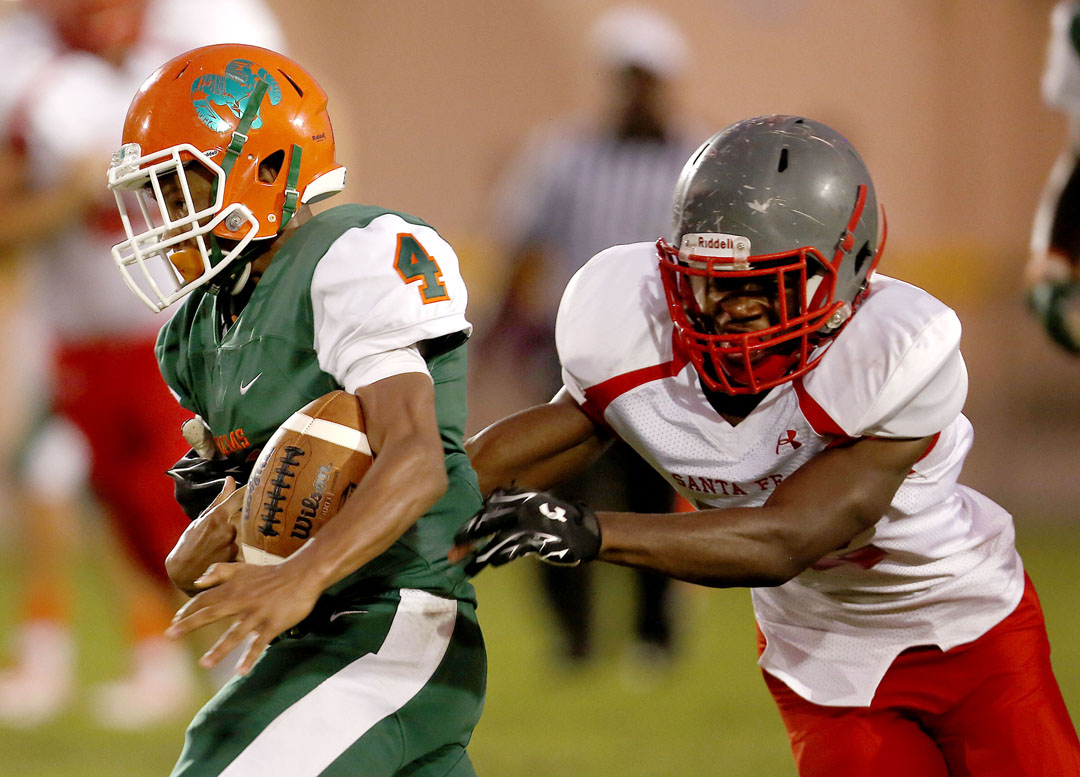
(572, 190)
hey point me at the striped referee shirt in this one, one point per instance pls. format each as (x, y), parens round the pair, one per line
(574, 192)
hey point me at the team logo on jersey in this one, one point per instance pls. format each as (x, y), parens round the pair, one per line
(787, 438)
(233, 90)
(232, 442)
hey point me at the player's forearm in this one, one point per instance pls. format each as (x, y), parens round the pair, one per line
(404, 482)
(717, 548)
(819, 508)
(535, 448)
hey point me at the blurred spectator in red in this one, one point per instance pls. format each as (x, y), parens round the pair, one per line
(105, 416)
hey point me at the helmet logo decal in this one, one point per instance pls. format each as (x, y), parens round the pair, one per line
(697, 247)
(233, 90)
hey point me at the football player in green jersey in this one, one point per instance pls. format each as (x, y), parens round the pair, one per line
(361, 652)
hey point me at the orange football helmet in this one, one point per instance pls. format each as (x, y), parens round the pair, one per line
(249, 120)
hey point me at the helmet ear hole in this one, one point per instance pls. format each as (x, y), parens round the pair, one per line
(270, 167)
(863, 254)
(296, 86)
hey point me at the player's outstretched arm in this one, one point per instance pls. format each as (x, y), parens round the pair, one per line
(407, 477)
(819, 508)
(538, 448)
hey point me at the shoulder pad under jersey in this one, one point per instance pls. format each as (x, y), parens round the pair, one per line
(613, 318)
(389, 282)
(894, 371)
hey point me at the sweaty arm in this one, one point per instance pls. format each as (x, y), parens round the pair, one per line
(821, 507)
(538, 448)
(407, 477)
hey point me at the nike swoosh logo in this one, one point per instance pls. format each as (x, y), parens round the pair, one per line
(245, 386)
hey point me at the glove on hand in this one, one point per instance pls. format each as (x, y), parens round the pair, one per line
(199, 480)
(524, 523)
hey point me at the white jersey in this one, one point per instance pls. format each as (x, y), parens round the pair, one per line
(65, 106)
(939, 568)
(367, 316)
(1061, 78)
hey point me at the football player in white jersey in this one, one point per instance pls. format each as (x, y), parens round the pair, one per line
(811, 409)
(1053, 270)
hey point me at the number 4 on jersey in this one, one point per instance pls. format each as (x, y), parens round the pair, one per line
(413, 264)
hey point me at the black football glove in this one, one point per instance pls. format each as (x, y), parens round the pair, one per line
(197, 480)
(524, 523)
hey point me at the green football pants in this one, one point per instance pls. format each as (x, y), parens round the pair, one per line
(392, 686)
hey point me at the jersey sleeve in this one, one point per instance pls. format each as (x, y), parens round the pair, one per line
(612, 319)
(1061, 77)
(387, 286)
(377, 366)
(895, 371)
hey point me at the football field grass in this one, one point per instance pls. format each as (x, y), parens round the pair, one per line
(708, 713)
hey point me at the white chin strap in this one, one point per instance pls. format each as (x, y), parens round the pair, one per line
(243, 279)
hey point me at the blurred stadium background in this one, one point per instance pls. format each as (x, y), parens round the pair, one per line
(429, 100)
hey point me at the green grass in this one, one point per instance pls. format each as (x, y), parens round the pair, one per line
(708, 713)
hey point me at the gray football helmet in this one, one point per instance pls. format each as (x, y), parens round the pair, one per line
(785, 201)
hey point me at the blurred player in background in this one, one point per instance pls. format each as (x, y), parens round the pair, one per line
(374, 663)
(567, 194)
(1053, 272)
(811, 409)
(71, 67)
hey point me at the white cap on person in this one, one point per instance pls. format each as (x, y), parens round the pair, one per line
(640, 36)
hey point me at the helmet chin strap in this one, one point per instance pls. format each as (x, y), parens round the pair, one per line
(236, 277)
(292, 196)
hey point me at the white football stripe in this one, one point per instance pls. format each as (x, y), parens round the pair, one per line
(258, 557)
(308, 736)
(331, 431)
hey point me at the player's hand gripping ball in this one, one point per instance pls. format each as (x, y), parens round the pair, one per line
(303, 476)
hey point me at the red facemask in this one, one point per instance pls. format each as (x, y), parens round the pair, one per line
(751, 362)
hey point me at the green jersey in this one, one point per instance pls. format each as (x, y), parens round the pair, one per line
(352, 296)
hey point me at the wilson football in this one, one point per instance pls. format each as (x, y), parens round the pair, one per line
(302, 477)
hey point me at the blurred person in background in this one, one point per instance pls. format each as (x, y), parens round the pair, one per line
(1053, 271)
(105, 417)
(361, 650)
(570, 191)
(812, 409)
